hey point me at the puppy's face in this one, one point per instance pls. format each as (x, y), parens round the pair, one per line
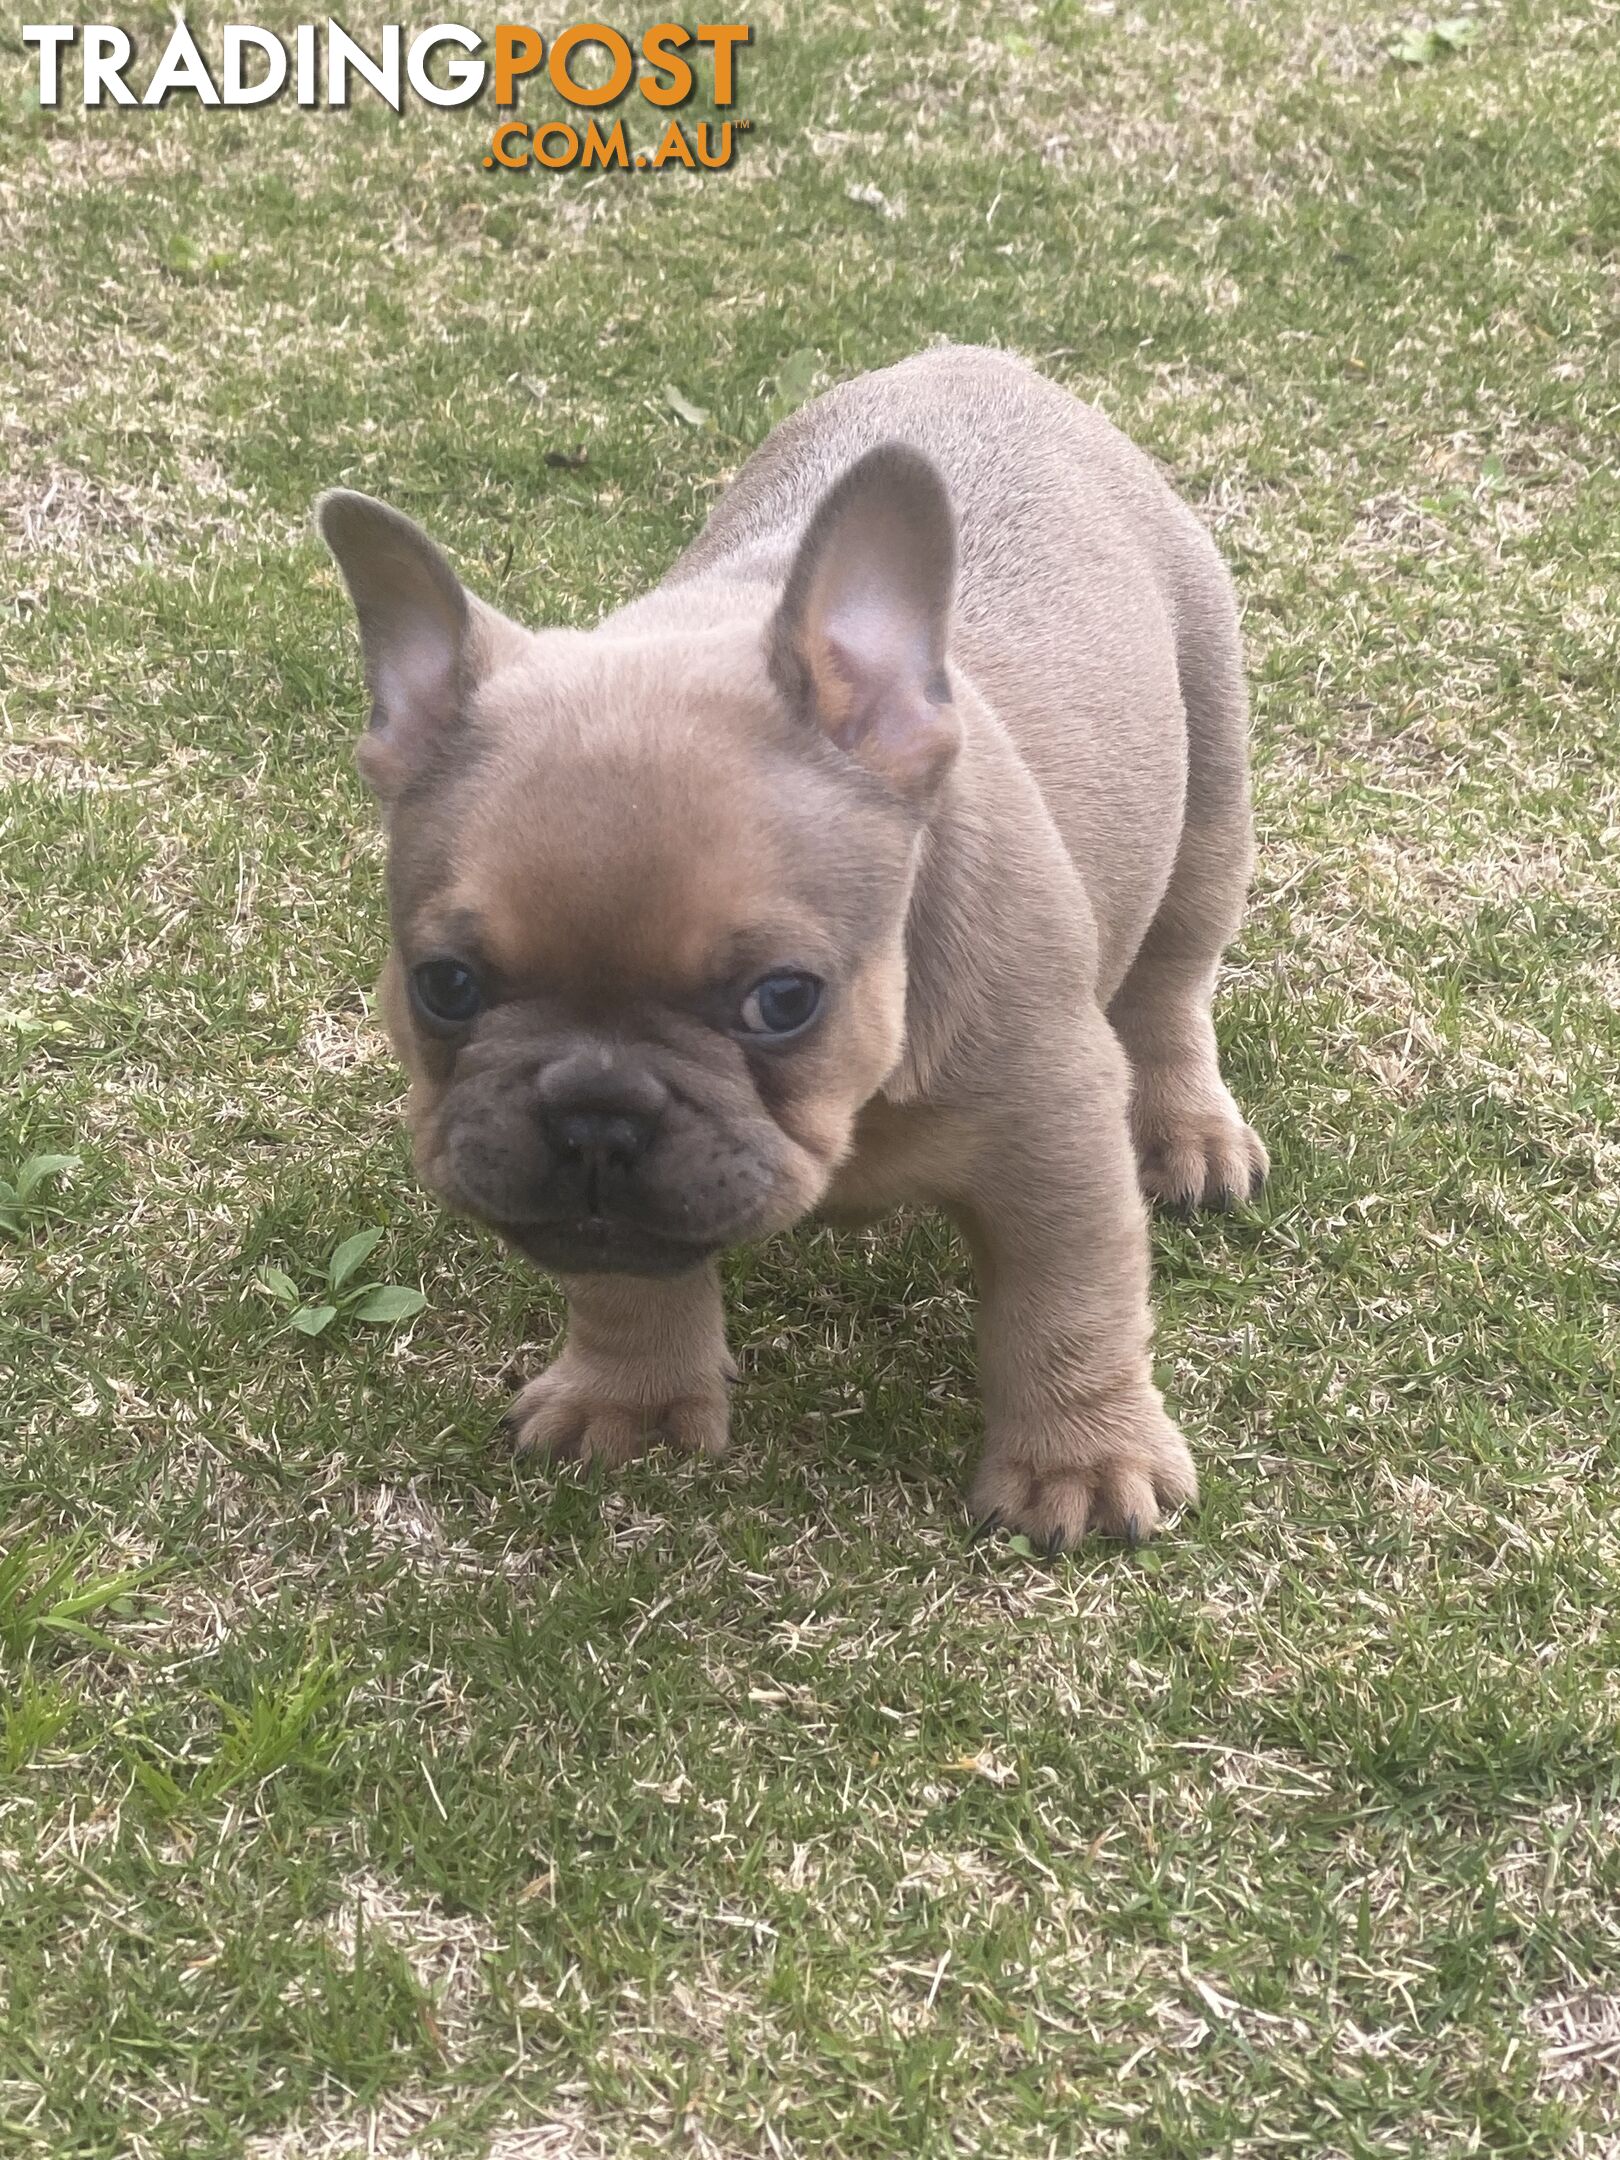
(649, 892)
(648, 963)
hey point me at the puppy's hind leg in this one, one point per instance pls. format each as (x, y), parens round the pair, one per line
(1193, 1146)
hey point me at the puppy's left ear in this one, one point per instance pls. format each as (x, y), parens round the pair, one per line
(418, 631)
(858, 644)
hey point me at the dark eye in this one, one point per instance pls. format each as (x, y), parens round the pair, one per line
(781, 1004)
(447, 992)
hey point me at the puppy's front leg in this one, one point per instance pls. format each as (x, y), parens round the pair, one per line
(1076, 1436)
(645, 1359)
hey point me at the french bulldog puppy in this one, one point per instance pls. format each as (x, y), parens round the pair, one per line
(881, 855)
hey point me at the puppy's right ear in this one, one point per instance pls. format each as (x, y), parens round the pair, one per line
(416, 626)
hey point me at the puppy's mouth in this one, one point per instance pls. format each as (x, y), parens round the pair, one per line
(605, 1245)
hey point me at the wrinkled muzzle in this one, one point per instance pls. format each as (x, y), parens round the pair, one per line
(596, 1160)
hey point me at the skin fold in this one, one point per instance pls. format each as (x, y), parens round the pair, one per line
(939, 727)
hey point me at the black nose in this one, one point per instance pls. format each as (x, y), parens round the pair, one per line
(598, 1141)
(598, 1115)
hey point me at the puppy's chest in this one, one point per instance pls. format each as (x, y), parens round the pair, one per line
(901, 1157)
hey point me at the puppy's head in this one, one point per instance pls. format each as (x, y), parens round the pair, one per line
(648, 887)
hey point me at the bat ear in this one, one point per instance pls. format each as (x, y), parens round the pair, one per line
(416, 623)
(859, 641)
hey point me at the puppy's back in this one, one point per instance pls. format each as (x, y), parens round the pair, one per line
(1086, 589)
(1026, 460)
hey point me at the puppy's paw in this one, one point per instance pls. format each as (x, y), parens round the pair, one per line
(1204, 1156)
(571, 1414)
(1116, 1467)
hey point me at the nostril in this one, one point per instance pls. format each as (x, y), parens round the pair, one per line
(599, 1138)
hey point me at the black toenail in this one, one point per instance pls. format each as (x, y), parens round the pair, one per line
(986, 1526)
(1133, 1532)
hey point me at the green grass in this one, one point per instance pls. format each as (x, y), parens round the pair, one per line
(386, 1797)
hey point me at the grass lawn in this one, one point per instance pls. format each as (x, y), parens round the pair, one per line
(364, 1792)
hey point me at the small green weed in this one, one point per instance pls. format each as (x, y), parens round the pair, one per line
(339, 1296)
(43, 1602)
(22, 1203)
(1422, 46)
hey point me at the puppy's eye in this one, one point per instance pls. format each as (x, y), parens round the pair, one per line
(447, 993)
(781, 1004)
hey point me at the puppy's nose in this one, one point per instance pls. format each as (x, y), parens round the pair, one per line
(598, 1140)
(599, 1119)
